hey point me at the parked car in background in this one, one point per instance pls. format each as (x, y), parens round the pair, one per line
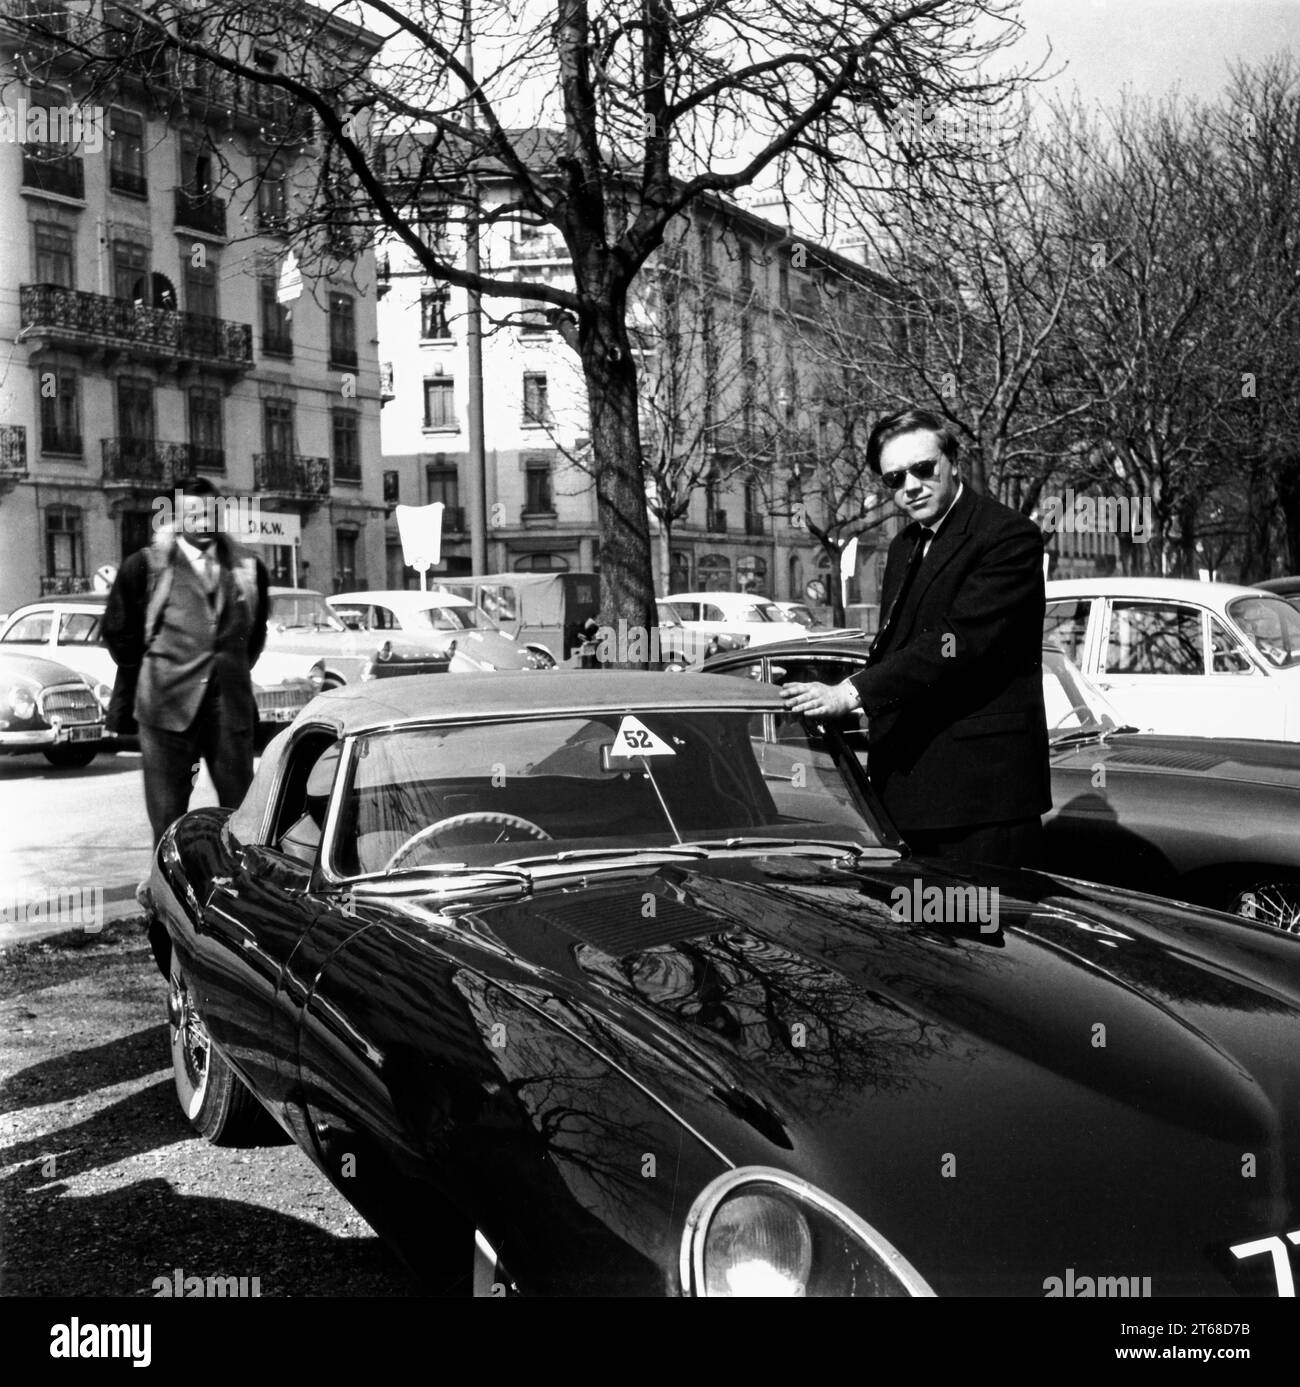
(48, 708)
(819, 621)
(453, 625)
(1286, 588)
(743, 616)
(70, 630)
(545, 611)
(1209, 820)
(1179, 656)
(621, 985)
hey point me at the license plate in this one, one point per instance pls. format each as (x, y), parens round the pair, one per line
(81, 734)
(280, 715)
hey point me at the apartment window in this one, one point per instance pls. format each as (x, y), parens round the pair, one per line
(434, 304)
(783, 284)
(347, 451)
(60, 412)
(196, 170)
(65, 545)
(439, 403)
(277, 320)
(343, 330)
(278, 429)
(273, 199)
(537, 488)
(431, 227)
(392, 488)
(536, 405)
(207, 441)
(126, 163)
(443, 485)
(131, 271)
(707, 265)
(135, 415)
(532, 322)
(746, 267)
(345, 559)
(53, 254)
(201, 289)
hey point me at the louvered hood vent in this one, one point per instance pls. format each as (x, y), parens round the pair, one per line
(1167, 760)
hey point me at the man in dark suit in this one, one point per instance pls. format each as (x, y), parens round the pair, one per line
(186, 621)
(953, 688)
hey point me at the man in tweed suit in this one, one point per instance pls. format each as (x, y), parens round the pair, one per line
(952, 688)
(187, 618)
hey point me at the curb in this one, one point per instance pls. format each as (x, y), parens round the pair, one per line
(120, 904)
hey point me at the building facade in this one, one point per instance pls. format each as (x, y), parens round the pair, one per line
(752, 305)
(139, 286)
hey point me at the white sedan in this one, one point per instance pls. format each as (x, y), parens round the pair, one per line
(743, 615)
(1185, 657)
(476, 643)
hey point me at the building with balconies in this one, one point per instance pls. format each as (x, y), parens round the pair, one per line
(741, 529)
(141, 280)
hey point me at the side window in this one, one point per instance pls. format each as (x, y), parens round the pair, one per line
(1227, 653)
(31, 630)
(78, 628)
(1154, 638)
(1066, 624)
(384, 620)
(300, 816)
(752, 671)
(712, 613)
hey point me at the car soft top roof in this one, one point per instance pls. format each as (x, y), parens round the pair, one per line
(393, 597)
(1142, 586)
(362, 707)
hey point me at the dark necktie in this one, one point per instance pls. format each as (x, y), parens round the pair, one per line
(909, 576)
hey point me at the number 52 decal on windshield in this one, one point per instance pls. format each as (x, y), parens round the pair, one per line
(634, 738)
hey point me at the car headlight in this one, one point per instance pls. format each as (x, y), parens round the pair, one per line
(758, 1231)
(22, 702)
(540, 659)
(317, 674)
(104, 693)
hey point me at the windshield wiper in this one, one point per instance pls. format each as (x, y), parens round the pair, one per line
(856, 849)
(587, 854)
(1080, 734)
(452, 869)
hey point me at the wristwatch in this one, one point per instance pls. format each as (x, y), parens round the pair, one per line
(853, 694)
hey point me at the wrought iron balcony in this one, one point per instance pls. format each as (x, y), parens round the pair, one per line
(55, 23)
(343, 356)
(65, 584)
(211, 91)
(144, 462)
(203, 457)
(201, 210)
(51, 169)
(292, 475)
(13, 450)
(94, 322)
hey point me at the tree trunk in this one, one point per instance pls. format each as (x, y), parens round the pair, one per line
(626, 572)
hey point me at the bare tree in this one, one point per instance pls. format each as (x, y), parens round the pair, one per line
(656, 106)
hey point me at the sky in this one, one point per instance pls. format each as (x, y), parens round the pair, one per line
(1153, 45)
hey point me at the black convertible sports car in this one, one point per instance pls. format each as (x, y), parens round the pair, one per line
(1205, 819)
(621, 981)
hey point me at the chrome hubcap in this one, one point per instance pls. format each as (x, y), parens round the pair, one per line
(190, 1044)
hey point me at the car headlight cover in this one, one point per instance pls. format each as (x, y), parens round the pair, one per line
(758, 1231)
(21, 700)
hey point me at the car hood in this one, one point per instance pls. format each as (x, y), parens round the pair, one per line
(1215, 758)
(33, 667)
(943, 1079)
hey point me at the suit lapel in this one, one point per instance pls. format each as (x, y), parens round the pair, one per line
(953, 534)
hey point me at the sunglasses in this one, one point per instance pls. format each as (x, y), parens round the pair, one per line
(922, 471)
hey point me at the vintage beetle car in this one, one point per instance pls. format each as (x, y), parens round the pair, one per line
(1205, 819)
(47, 707)
(624, 979)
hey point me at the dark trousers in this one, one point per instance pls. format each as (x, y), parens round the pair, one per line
(171, 764)
(1015, 843)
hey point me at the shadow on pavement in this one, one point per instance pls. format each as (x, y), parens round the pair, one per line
(82, 1071)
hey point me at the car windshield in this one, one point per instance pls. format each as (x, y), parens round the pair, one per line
(1074, 704)
(453, 619)
(1272, 626)
(798, 614)
(485, 794)
(293, 611)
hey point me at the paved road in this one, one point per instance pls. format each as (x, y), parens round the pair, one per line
(61, 831)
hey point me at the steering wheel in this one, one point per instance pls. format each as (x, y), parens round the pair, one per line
(530, 829)
(1078, 708)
